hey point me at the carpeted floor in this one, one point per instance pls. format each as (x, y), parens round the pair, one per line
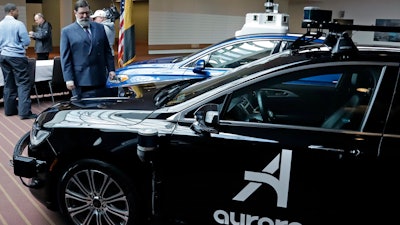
(17, 205)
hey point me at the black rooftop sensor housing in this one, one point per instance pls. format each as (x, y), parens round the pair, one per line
(322, 19)
(338, 39)
(317, 15)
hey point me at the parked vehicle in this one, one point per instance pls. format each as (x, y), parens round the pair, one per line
(306, 136)
(263, 34)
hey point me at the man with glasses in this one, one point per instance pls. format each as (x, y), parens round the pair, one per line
(86, 58)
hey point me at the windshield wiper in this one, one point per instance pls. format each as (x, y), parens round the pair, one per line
(169, 92)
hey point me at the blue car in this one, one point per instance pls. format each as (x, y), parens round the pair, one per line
(219, 59)
(262, 35)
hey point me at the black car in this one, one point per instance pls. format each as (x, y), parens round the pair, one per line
(306, 136)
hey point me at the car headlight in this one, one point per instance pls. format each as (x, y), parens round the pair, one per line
(38, 136)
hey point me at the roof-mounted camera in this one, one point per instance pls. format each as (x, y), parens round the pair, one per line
(315, 15)
(269, 22)
(337, 38)
(112, 13)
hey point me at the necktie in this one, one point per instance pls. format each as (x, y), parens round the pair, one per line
(88, 33)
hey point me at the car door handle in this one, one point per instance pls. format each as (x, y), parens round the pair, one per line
(320, 147)
(353, 152)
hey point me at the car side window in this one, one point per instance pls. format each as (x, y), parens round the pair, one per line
(218, 101)
(329, 97)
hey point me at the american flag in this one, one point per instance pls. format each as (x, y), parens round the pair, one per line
(126, 40)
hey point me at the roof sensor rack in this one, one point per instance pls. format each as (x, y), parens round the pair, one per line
(305, 39)
(315, 18)
(338, 39)
(344, 46)
(312, 15)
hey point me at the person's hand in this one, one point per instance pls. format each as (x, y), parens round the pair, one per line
(30, 33)
(70, 86)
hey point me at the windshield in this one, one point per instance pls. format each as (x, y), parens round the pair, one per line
(201, 87)
(237, 50)
(203, 49)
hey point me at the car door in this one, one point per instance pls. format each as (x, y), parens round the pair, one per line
(260, 169)
(383, 175)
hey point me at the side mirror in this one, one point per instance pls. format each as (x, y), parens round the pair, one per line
(207, 119)
(212, 118)
(199, 66)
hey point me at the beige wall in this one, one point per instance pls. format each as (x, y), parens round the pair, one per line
(51, 11)
(21, 5)
(60, 13)
(141, 20)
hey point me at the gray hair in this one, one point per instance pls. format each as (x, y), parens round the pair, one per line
(81, 4)
(39, 15)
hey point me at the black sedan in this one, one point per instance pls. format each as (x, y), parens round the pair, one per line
(306, 136)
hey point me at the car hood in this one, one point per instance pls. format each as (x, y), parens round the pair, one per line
(98, 112)
(99, 119)
(162, 60)
(149, 68)
(103, 111)
(111, 120)
(151, 73)
(145, 102)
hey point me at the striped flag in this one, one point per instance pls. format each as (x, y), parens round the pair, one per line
(126, 41)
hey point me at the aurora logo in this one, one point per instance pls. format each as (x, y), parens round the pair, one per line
(281, 162)
(227, 218)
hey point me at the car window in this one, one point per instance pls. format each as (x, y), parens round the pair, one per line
(218, 101)
(239, 54)
(336, 97)
(322, 80)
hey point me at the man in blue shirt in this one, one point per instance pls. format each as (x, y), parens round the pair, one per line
(14, 64)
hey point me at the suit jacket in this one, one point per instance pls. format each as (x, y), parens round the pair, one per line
(83, 60)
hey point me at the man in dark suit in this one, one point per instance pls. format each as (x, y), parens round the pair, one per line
(86, 58)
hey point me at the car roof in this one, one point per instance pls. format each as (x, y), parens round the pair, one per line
(310, 54)
(278, 36)
(304, 55)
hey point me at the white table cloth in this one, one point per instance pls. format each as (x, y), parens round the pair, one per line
(44, 71)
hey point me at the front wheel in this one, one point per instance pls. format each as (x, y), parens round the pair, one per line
(94, 192)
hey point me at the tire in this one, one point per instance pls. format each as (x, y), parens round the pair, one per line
(94, 192)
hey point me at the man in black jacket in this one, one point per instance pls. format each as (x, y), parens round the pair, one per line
(42, 37)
